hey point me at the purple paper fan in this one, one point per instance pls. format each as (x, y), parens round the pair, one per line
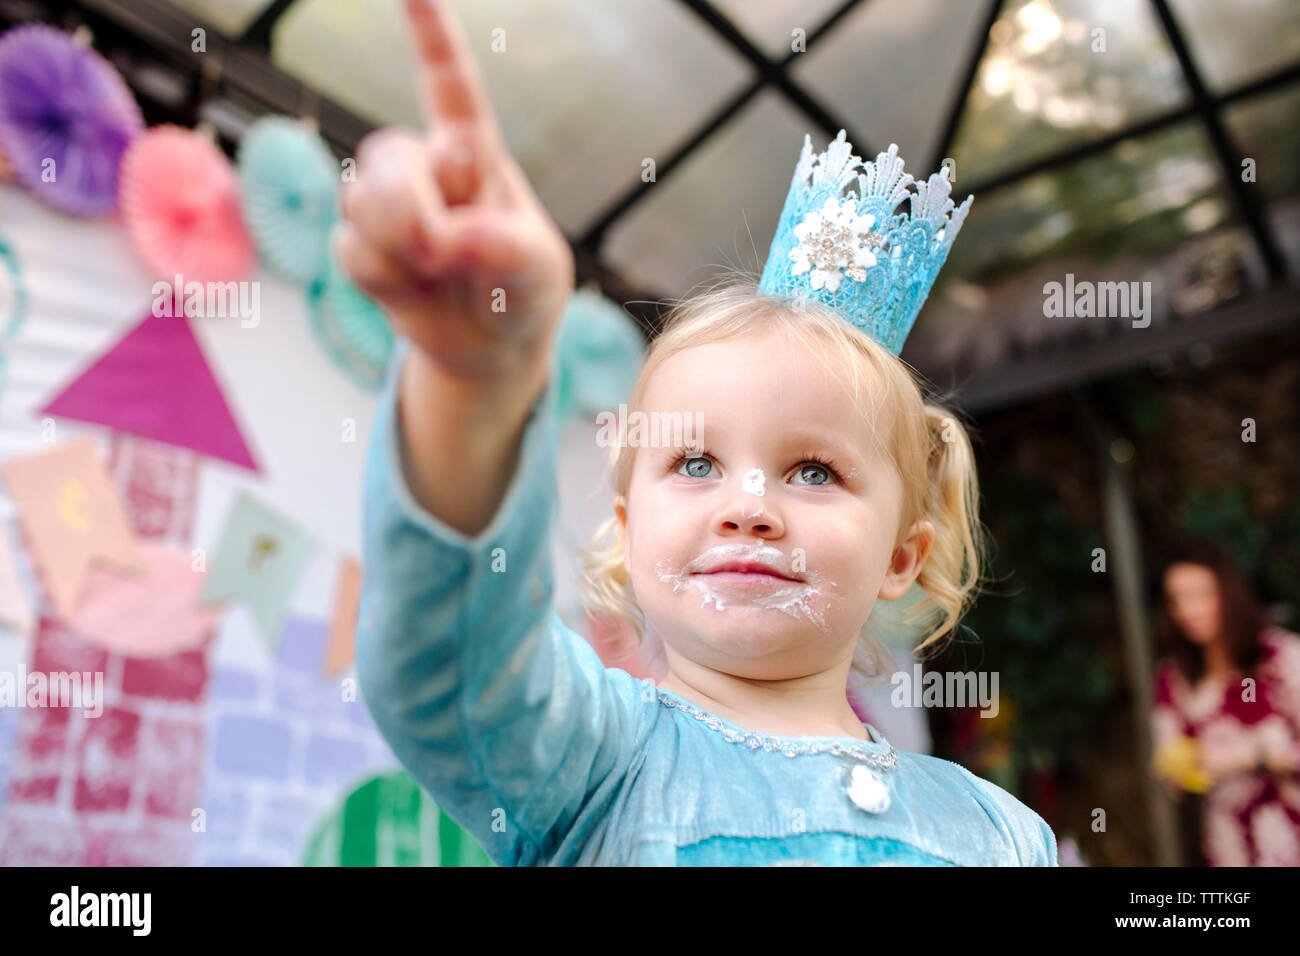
(62, 101)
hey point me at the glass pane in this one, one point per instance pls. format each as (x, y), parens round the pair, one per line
(1060, 73)
(1142, 195)
(1237, 42)
(866, 69)
(585, 89)
(1284, 217)
(231, 17)
(1267, 130)
(1152, 210)
(770, 24)
(720, 208)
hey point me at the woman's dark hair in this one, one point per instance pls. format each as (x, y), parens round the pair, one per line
(1242, 618)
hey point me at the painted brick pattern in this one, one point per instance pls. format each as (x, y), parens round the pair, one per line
(286, 748)
(117, 789)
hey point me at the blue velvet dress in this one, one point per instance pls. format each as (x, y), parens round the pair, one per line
(510, 721)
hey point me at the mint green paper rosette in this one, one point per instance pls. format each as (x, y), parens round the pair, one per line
(289, 183)
(13, 305)
(353, 330)
(598, 356)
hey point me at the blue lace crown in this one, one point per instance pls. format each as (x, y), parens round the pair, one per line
(875, 268)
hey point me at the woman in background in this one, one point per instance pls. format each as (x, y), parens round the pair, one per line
(1227, 711)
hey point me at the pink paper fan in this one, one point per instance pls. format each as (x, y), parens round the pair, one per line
(180, 203)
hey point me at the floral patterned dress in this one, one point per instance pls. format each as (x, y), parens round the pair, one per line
(1250, 818)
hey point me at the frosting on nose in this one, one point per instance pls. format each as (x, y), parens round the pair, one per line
(753, 481)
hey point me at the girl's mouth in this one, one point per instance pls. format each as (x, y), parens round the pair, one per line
(758, 580)
(768, 563)
(744, 568)
(732, 579)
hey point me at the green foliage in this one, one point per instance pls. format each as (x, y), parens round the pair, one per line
(1278, 578)
(1226, 516)
(1038, 636)
(1266, 552)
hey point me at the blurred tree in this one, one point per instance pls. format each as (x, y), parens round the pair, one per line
(1036, 636)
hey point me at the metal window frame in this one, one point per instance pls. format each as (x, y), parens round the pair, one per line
(248, 73)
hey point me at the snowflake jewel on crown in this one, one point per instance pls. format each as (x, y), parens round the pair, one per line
(852, 252)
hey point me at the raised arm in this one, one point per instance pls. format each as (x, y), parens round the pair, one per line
(503, 714)
(444, 231)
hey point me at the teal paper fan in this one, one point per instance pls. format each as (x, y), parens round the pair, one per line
(13, 305)
(598, 356)
(290, 184)
(353, 330)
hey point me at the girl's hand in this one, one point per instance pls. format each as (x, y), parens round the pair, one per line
(444, 231)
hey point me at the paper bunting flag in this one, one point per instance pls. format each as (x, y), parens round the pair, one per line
(341, 648)
(156, 383)
(15, 608)
(259, 559)
(72, 517)
(156, 615)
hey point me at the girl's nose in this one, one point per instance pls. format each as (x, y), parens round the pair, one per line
(750, 516)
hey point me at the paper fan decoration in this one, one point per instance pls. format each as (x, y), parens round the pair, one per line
(391, 821)
(13, 294)
(180, 203)
(351, 328)
(598, 355)
(13, 306)
(290, 191)
(66, 119)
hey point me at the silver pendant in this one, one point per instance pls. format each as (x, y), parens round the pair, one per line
(867, 789)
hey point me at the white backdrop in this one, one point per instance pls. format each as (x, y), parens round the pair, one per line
(86, 288)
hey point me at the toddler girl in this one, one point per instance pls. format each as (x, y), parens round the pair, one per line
(812, 481)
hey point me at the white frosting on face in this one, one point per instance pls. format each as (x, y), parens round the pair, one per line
(754, 481)
(806, 600)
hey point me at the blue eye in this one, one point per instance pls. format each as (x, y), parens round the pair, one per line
(699, 465)
(691, 464)
(815, 468)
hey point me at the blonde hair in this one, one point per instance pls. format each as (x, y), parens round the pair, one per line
(928, 445)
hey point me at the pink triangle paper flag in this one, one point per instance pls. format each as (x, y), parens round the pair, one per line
(156, 383)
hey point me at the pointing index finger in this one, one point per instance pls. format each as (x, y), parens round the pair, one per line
(453, 90)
